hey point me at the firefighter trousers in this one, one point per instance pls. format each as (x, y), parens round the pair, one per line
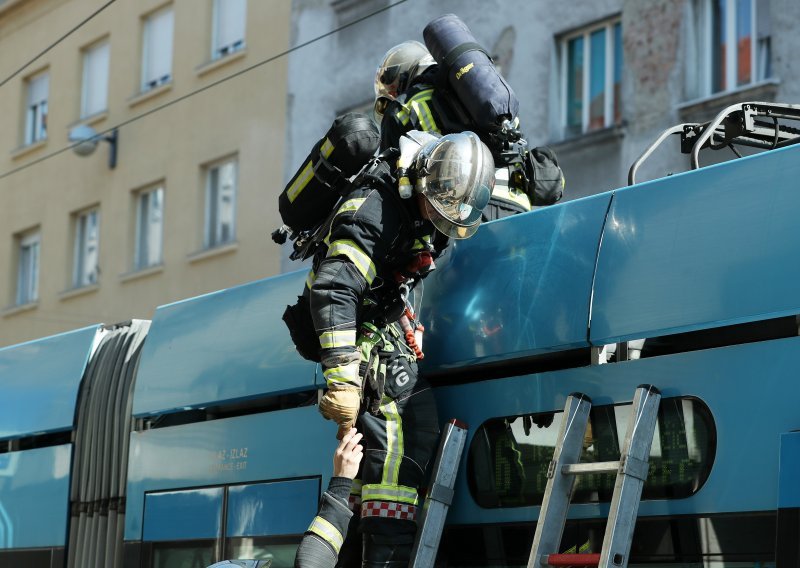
(401, 430)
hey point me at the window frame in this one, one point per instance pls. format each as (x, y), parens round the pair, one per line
(211, 241)
(30, 294)
(141, 262)
(145, 82)
(704, 26)
(80, 243)
(222, 51)
(562, 46)
(87, 77)
(35, 115)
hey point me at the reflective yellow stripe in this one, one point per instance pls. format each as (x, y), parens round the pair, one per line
(421, 243)
(402, 116)
(351, 205)
(310, 278)
(518, 197)
(394, 442)
(327, 532)
(419, 105)
(301, 182)
(326, 148)
(355, 489)
(397, 493)
(337, 338)
(426, 121)
(344, 374)
(308, 172)
(357, 256)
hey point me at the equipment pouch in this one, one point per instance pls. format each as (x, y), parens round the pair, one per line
(545, 178)
(372, 371)
(301, 328)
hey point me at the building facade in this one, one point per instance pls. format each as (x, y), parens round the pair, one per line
(597, 81)
(195, 95)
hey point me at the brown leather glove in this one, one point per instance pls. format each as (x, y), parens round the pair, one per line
(341, 404)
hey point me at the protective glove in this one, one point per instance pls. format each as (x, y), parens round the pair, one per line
(341, 404)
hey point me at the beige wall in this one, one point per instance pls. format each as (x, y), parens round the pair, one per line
(244, 116)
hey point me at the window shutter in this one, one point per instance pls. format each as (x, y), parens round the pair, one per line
(95, 80)
(231, 17)
(158, 49)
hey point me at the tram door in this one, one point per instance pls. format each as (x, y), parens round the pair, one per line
(193, 528)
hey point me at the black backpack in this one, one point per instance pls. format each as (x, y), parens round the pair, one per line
(312, 193)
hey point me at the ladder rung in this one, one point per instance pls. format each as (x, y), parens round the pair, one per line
(573, 559)
(597, 467)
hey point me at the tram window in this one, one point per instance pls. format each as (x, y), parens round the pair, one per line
(37, 558)
(509, 456)
(739, 541)
(186, 554)
(280, 550)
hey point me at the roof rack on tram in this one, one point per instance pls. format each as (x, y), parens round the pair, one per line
(754, 124)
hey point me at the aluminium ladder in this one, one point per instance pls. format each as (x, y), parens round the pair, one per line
(440, 495)
(631, 472)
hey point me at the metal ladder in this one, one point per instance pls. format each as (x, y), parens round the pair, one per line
(631, 472)
(440, 495)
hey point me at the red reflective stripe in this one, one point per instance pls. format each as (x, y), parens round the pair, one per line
(573, 559)
(354, 501)
(388, 510)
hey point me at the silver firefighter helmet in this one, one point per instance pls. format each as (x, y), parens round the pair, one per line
(400, 65)
(455, 175)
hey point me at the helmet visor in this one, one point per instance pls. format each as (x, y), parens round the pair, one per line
(459, 178)
(448, 228)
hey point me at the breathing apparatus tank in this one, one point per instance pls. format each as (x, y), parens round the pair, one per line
(469, 72)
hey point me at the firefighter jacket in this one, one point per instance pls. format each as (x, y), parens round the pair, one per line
(324, 537)
(374, 239)
(429, 107)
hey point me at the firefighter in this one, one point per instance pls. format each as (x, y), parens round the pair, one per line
(425, 105)
(378, 247)
(401, 65)
(324, 538)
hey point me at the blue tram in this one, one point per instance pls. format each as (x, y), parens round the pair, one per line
(195, 437)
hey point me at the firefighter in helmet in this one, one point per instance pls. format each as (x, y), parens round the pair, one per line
(421, 101)
(401, 65)
(378, 247)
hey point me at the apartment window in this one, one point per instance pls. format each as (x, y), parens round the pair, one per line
(149, 228)
(229, 26)
(729, 46)
(94, 96)
(87, 248)
(157, 49)
(38, 87)
(220, 218)
(591, 78)
(28, 267)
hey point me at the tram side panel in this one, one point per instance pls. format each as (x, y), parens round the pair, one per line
(231, 454)
(40, 382)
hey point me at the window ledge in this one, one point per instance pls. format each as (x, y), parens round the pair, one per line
(214, 64)
(90, 120)
(143, 96)
(212, 252)
(19, 308)
(703, 109)
(142, 273)
(608, 134)
(80, 291)
(25, 150)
